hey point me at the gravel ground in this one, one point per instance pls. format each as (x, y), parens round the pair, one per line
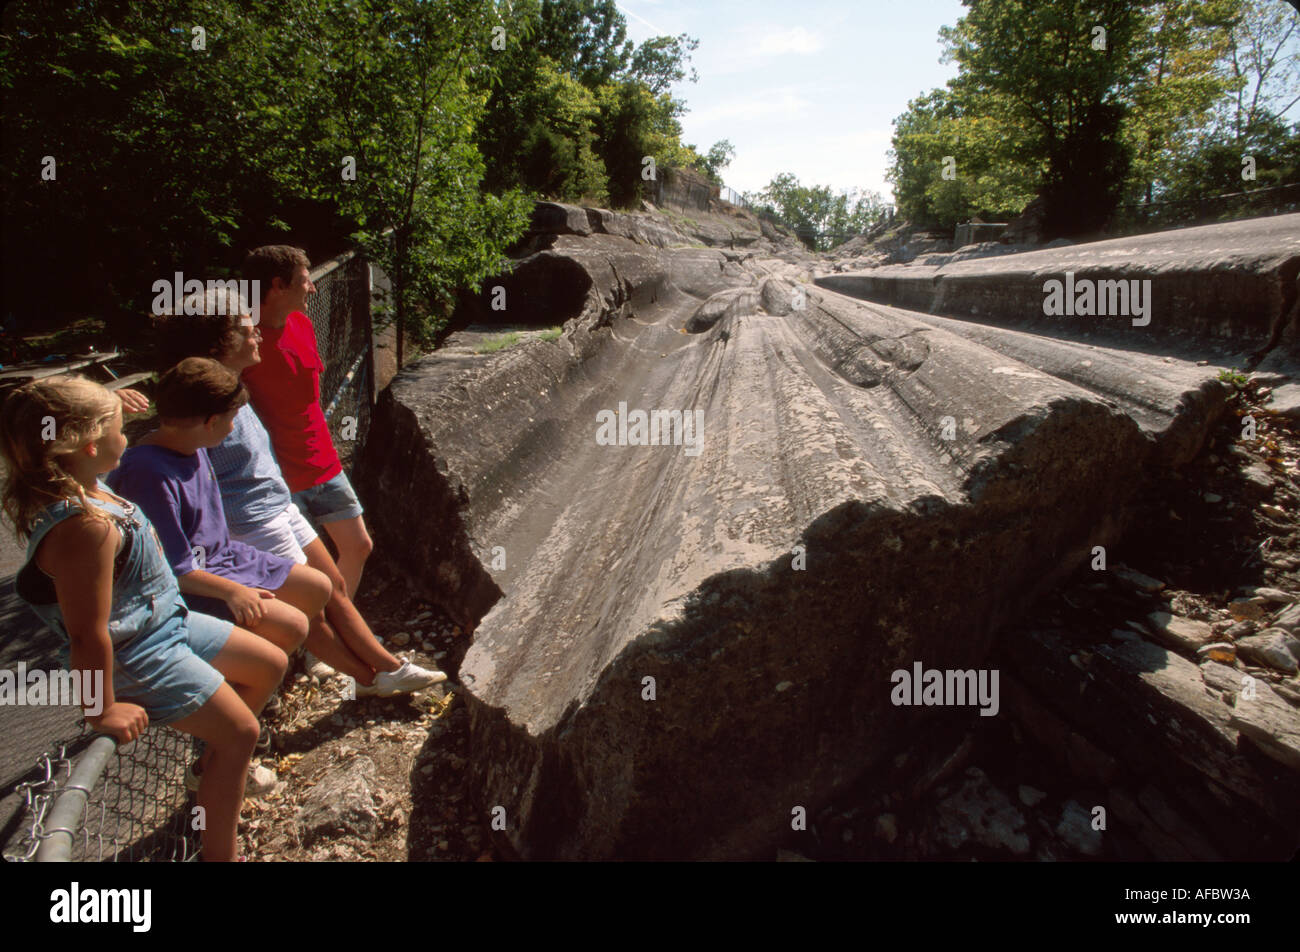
(418, 743)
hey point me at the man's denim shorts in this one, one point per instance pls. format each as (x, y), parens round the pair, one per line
(330, 501)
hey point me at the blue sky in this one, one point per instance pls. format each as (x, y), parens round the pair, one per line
(808, 87)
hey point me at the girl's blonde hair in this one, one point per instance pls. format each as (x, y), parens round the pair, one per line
(41, 422)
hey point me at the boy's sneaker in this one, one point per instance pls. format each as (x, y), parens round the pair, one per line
(409, 677)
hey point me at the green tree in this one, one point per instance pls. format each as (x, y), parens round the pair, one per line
(635, 124)
(950, 163)
(572, 108)
(165, 155)
(819, 216)
(1182, 84)
(1036, 66)
(399, 98)
(661, 61)
(588, 38)
(715, 160)
(1045, 104)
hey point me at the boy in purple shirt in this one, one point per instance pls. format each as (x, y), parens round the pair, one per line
(170, 478)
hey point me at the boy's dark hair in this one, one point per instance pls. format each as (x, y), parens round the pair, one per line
(274, 261)
(198, 388)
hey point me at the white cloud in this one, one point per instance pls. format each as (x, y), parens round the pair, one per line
(755, 45)
(840, 160)
(784, 41)
(768, 104)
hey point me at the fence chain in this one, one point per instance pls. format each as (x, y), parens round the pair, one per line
(38, 797)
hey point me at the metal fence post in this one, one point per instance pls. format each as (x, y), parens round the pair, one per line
(65, 816)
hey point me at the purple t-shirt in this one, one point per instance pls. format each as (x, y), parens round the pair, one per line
(180, 496)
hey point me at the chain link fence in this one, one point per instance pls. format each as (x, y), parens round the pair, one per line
(86, 800)
(110, 804)
(340, 313)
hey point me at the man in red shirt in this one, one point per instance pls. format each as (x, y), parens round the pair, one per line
(285, 388)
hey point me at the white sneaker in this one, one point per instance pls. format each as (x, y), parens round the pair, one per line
(409, 677)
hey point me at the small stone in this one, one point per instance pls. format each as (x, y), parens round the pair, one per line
(887, 827)
(340, 803)
(439, 655)
(1213, 497)
(260, 780)
(1246, 608)
(790, 856)
(1271, 595)
(400, 639)
(1241, 629)
(1217, 651)
(1030, 796)
(1258, 479)
(785, 686)
(427, 770)
(1270, 647)
(1289, 619)
(1274, 512)
(1138, 580)
(1076, 829)
(1179, 633)
(847, 835)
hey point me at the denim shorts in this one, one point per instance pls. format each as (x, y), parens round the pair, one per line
(330, 501)
(170, 674)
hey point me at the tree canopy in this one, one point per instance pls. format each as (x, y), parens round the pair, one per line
(1092, 103)
(141, 139)
(821, 218)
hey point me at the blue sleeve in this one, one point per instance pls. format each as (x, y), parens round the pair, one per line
(157, 496)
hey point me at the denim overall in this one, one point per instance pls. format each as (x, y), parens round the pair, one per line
(154, 663)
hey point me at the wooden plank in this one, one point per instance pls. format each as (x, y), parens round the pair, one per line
(129, 380)
(41, 372)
